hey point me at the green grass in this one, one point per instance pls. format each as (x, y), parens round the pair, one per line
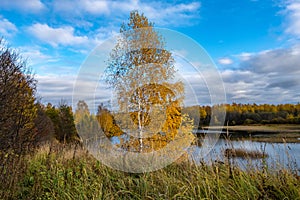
(60, 175)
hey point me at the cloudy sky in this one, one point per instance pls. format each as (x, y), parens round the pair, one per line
(254, 43)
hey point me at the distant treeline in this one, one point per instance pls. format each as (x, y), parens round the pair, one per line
(244, 114)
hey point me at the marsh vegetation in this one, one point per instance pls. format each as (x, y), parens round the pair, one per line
(58, 173)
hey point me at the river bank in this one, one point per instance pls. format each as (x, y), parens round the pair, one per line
(276, 133)
(57, 175)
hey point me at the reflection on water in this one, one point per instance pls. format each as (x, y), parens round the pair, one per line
(280, 155)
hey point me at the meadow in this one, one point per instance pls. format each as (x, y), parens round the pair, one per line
(64, 172)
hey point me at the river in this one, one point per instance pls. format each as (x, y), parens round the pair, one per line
(280, 155)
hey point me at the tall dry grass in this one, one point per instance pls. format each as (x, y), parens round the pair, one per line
(63, 173)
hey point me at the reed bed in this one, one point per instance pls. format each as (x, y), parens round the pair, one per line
(65, 174)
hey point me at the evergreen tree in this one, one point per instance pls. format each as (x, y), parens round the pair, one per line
(63, 122)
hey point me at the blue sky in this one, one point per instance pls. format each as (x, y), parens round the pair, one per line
(254, 43)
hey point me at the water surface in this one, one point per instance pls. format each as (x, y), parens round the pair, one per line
(280, 155)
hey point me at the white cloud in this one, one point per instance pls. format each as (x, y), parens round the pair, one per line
(233, 76)
(57, 36)
(244, 56)
(104, 33)
(270, 76)
(161, 13)
(174, 14)
(53, 88)
(243, 86)
(34, 55)
(276, 60)
(293, 14)
(95, 6)
(7, 28)
(30, 6)
(78, 7)
(180, 52)
(225, 61)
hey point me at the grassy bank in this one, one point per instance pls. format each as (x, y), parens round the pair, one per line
(60, 175)
(275, 133)
(270, 128)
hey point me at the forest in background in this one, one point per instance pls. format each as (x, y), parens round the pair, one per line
(246, 114)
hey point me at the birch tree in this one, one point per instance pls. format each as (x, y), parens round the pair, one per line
(141, 72)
